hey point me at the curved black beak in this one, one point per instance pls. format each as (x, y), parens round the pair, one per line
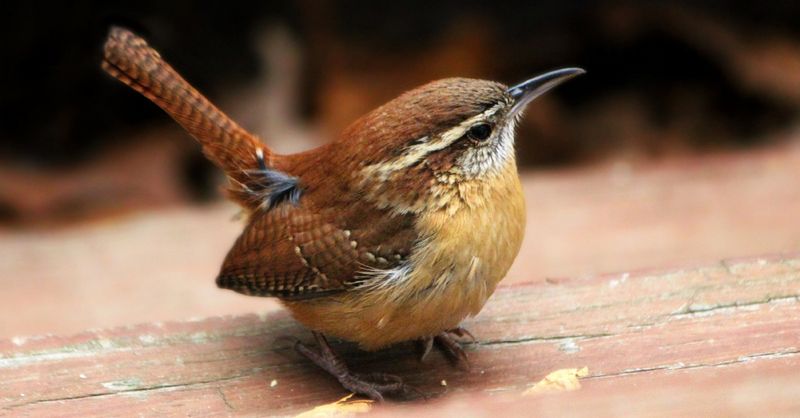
(523, 93)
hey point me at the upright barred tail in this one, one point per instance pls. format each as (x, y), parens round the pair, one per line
(239, 153)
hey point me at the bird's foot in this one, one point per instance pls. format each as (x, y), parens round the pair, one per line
(448, 343)
(372, 385)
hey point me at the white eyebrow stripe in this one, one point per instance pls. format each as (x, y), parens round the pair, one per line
(418, 151)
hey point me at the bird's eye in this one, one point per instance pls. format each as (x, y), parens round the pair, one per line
(480, 132)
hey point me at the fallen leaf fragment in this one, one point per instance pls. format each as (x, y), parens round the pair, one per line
(559, 380)
(342, 407)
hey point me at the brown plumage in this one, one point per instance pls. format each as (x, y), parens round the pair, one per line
(395, 231)
(128, 58)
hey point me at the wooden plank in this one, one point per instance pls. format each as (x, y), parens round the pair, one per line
(717, 328)
(766, 388)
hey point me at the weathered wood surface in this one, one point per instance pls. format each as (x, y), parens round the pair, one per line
(718, 340)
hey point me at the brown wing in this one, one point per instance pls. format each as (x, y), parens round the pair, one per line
(296, 252)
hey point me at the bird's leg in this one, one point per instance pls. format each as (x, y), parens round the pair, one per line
(447, 342)
(373, 385)
(425, 344)
(462, 332)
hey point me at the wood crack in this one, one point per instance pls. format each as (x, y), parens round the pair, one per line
(681, 366)
(692, 309)
(534, 339)
(225, 399)
(156, 388)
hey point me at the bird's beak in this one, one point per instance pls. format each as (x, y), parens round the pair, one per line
(523, 93)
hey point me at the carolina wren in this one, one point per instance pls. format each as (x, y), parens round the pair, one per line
(395, 231)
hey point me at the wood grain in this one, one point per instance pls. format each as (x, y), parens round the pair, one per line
(722, 339)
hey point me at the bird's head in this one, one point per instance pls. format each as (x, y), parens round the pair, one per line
(446, 132)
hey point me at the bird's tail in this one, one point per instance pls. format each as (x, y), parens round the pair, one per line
(236, 151)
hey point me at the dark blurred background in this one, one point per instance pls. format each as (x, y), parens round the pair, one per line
(680, 146)
(664, 78)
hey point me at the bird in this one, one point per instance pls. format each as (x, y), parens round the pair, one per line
(396, 230)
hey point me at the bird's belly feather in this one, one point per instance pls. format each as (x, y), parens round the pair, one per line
(449, 277)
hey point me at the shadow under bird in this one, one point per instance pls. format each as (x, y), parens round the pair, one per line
(395, 231)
